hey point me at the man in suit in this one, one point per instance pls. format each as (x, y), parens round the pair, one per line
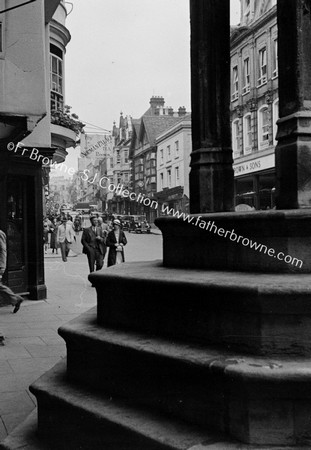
(65, 236)
(94, 245)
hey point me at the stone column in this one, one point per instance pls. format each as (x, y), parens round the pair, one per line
(211, 175)
(293, 152)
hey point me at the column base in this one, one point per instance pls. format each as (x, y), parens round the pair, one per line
(260, 241)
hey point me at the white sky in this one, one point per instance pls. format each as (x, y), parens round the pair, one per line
(124, 51)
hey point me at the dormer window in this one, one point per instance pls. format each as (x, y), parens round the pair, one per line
(247, 11)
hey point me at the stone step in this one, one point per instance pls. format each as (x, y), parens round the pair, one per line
(268, 314)
(25, 437)
(254, 399)
(71, 417)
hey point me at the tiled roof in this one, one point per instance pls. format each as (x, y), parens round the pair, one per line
(155, 125)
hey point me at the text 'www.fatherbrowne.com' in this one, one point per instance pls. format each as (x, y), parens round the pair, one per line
(230, 234)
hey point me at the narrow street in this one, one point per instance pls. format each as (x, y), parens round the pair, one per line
(32, 345)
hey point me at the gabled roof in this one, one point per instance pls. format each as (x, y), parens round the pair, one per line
(155, 125)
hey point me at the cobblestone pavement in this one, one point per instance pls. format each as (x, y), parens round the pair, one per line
(32, 344)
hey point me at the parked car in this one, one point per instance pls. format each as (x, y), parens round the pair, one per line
(138, 224)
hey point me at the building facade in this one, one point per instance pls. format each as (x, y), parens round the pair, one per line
(254, 104)
(143, 151)
(173, 160)
(26, 33)
(121, 165)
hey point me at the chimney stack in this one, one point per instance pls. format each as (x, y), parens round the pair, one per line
(155, 103)
(182, 111)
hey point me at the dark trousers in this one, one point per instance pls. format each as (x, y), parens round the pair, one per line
(94, 256)
(64, 248)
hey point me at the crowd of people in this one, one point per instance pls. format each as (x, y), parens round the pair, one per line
(60, 232)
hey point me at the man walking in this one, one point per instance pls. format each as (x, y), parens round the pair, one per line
(7, 297)
(65, 236)
(94, 245)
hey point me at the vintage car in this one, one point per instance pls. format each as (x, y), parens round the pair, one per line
(137, 224)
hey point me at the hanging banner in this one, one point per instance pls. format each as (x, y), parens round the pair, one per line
(96, 146)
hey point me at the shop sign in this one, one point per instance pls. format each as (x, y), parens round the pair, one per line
(96, 146)
(254, 165)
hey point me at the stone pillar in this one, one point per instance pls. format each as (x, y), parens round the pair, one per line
(211, 175)
(293, 152)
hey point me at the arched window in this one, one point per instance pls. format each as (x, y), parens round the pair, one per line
(247, 134)
(263, 127)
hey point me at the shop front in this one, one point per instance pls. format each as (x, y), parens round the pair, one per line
(255, 184)
(173, 198)
(21, 219)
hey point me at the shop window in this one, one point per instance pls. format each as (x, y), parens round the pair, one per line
(262, 79)
(275, 118)
(245, 194)
(246, 76)
(235, 83)
(247, 134)
(266, 194)
(236, 138)
(263, 127)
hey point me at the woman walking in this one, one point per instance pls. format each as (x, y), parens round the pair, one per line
(115, 241)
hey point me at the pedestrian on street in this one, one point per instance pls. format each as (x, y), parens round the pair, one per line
(94, 245)
(46, 229)
(7, 297)
(54, 244)
(104, 226)
(115, 241)
(65, 236)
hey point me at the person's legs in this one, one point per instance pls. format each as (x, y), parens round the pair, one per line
(91, 259)
(7, 297)
(104, 251)
(63, 250)
(99, 260)
(68, 245)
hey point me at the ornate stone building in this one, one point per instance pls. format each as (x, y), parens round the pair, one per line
(254, 104)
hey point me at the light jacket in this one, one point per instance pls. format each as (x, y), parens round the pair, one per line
(63, 234)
